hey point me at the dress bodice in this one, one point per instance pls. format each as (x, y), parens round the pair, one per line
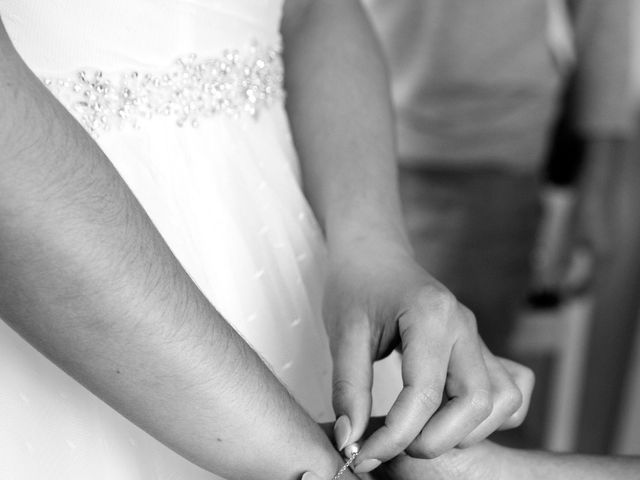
(113, 63)
(57, 37)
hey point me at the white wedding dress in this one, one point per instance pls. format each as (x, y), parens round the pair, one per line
(185, 98)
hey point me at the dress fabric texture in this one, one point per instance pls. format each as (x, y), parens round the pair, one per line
(226, 196)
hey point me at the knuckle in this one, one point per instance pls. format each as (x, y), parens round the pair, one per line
(527, 377)
(481, 404)
(512, 399)
(468, 319)
(435, 300)
(430, 397)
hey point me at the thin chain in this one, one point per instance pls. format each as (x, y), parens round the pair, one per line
(346, 466)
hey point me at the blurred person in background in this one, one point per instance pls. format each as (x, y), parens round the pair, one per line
(616, 283)
(476, 87)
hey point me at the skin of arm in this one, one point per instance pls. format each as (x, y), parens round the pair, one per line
(488, 461)
(596, 191)
(87, 280)
(378, 298)
(532, 465)
(589, 227)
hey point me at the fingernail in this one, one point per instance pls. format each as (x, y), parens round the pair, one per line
(350, 450)
(367, 465)
(342, 431)
(310, 476)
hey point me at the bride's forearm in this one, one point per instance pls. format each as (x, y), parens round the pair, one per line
(86, 278)
(535, 465)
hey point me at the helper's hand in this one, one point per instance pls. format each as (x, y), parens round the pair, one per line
(480, 462)
(455, 391)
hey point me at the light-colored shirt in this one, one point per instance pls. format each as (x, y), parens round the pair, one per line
(479, 80)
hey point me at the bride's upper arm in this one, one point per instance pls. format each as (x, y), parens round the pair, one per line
(25, 103)
(9, 80)
(12, 67)
(6, 48)
(7, 51)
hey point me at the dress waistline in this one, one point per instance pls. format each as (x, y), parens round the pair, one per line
(237, 83)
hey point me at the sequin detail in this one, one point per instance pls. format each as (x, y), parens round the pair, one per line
(192, 89)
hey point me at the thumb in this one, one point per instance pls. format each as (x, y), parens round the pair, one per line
(352, 381)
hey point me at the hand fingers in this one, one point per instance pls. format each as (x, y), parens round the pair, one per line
(512, 387)
(424, 368)
(310, 476)
(525, 380)
(507, 400)
(470, 404)
(352, 381)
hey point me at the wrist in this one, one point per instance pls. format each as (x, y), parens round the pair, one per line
(499, 460)
(484, 461)
(363, 235)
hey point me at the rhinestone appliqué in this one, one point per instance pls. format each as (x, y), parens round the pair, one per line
(192, 89)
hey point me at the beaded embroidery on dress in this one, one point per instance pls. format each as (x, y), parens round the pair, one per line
(237, 83)
(223, 190)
